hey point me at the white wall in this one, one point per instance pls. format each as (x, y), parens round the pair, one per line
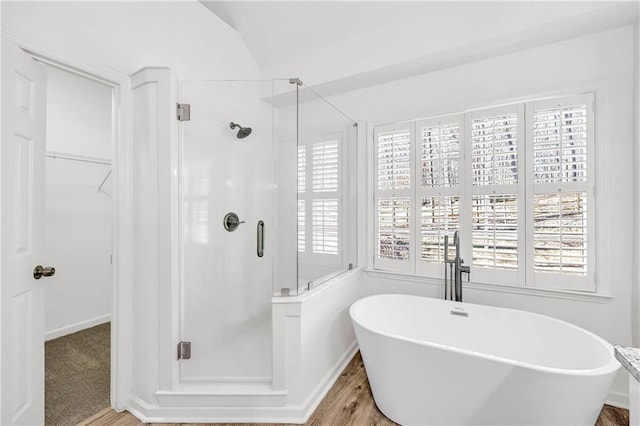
(602, 62)
(79, 114)
(78, 219)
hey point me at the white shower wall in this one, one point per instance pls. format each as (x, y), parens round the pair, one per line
(78, 219)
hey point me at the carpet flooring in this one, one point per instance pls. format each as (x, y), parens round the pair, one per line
(77, 375)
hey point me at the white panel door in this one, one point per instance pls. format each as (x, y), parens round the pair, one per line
(21, 230)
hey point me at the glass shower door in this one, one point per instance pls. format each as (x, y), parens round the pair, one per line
(226, 287)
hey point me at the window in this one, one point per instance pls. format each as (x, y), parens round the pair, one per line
(496, 137)
(319, 198)
(437, 189)
(393, 198)
(516, 180)
(561, 197)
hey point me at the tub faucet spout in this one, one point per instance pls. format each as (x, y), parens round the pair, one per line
(455, 267)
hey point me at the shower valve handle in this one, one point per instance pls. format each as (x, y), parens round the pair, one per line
(231, 222)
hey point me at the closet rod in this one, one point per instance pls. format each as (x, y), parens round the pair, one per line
(103, 182)
(81, 158)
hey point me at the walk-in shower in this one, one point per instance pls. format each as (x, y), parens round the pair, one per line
(289, 185)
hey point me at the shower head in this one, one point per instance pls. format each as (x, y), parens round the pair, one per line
(243, 132)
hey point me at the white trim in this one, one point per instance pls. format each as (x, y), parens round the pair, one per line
(300, 299)
(499, 288)
(76, 65)
(230, 396)
(350, 198)
(152, 413)
(369, 237)
(321, 390)
(122, 219)
(618, 399)
(361, 159)
(298, 414)
(72, 328)
(600, 179)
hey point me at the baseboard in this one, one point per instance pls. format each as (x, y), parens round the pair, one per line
(298, 414)
(318, 394)
(151, 413)
(618, 399)
(68, 329)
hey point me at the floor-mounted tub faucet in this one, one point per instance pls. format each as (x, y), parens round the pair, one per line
(455, 267)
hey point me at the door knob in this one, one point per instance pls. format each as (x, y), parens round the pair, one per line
(39, 272)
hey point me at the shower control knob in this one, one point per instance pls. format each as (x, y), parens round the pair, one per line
(231, 222)
(39, 272)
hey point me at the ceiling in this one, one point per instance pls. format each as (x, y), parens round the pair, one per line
(276, 31)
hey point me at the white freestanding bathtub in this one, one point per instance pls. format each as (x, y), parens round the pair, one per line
(432, 361)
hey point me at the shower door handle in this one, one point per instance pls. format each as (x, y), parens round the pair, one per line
(260, 239)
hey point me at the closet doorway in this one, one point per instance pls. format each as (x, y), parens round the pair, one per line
(78, 243)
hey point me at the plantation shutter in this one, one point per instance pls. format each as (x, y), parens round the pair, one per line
(302, 222)
(439, 173)
(516, 180)
(325, 206)
(319, 200)
(495, 152)
(561, 193)
(325, 166)
(393, 175)
(302, 185)
(325, 226)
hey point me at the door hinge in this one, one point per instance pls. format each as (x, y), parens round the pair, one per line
(184, 350)
(183, 112)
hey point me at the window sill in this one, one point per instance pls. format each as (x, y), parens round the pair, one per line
(500, 288)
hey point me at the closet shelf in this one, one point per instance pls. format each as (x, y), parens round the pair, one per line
(81, 158)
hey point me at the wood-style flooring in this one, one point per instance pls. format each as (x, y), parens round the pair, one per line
(349, 402)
